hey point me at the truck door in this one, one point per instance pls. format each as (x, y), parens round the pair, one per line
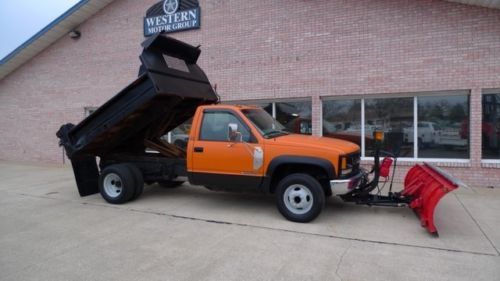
(221, 164)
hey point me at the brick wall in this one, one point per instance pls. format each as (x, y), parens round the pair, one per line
(265, 50)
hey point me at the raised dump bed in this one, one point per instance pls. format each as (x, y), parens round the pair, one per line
(166, 94)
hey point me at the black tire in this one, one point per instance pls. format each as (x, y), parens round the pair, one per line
(139, 180)
(170, 184)
(307, 189)
(120, 177)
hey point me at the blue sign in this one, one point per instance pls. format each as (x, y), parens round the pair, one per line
(171, 17)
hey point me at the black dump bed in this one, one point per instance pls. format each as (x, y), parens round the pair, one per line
(165, 95)
(169, 89)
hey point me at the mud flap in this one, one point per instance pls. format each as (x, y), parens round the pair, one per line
(426, 184)
(86, 175)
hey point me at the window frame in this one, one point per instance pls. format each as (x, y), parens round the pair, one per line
(488, 91)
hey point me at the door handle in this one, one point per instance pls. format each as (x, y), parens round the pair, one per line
(198, 149)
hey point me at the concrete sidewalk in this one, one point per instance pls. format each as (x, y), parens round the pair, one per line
(48, 232)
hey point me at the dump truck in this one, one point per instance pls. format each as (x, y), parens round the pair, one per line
(119, 147)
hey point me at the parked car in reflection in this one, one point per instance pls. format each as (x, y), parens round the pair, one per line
(450, 136)
(428, 134)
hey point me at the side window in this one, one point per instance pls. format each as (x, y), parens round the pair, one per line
(214, 126)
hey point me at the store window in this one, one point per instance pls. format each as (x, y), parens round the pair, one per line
(295, 116)
(394, 116)
(342, 119)
(491, 124)
(267, 106)
(440, 132)
(442, 126)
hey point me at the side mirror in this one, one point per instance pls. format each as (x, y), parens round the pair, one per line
(232, 133)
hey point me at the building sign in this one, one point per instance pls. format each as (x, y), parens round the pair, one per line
(171, 16)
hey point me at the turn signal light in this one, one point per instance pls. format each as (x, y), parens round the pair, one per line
(378, 136)
(343, 164)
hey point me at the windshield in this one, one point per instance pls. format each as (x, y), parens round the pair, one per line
(267, 125)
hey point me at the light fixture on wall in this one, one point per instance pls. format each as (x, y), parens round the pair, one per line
(74, 34)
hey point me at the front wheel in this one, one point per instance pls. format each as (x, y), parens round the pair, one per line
(300, 197)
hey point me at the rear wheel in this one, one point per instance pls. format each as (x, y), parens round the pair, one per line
(116, 184)
(138, 178)
(170, 184)
(300, 197)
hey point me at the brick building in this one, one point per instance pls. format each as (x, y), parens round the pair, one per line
(427, 72)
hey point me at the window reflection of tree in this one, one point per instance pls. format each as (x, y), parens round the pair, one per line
(449, 117)
(393, 116)
(342, 119)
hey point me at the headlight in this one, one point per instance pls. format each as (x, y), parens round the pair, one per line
(349, 163)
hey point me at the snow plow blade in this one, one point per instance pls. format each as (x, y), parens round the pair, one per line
(426, 184)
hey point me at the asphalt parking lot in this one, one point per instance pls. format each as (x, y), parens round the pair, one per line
(48, 232)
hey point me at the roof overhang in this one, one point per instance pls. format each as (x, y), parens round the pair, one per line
(58, 28)
(494, 4)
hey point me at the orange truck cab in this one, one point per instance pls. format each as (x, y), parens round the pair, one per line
(230, 147)
(242, 148)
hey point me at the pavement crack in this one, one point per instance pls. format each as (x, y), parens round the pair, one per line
(341, 260)
(159, 213)
(478, 225)
(290, 231)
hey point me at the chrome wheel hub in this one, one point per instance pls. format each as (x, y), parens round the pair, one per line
(298, 199)
(112, 185)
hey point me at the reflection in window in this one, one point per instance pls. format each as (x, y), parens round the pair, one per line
(267, 106)
(295, 116)
(443, 126)
(491, 125)
(342, 120)
(395, 117)
(214, 127)
(179, 136)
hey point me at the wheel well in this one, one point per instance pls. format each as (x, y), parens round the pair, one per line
(287, 169)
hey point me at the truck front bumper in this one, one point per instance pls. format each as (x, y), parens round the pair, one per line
(343, 186)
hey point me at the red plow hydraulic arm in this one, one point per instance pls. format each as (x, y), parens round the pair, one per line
(426, 184)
